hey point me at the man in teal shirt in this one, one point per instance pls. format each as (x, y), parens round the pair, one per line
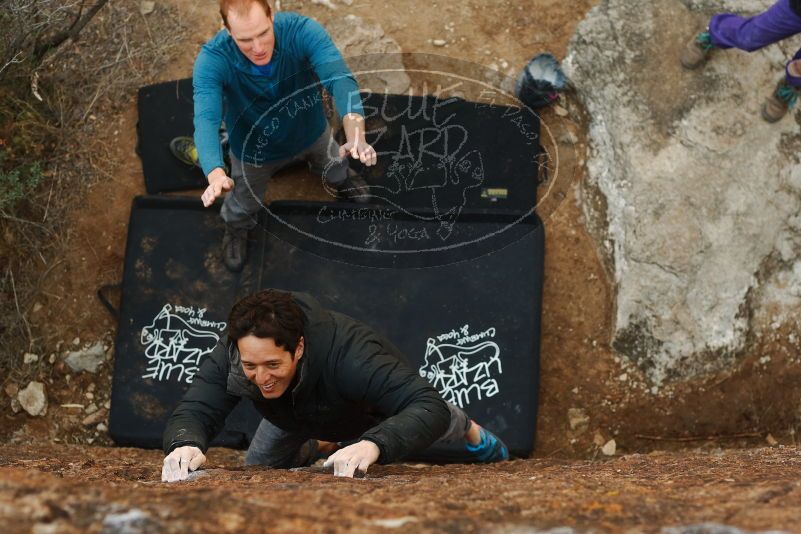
(262, 74)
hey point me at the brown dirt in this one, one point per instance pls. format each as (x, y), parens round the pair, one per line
(72, 489)
(757, 397)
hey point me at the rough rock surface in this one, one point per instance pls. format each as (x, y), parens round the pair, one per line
(694, 199)
(707, 528)
(88, 359)
(33, 399)
(48, 488)
(366, 49)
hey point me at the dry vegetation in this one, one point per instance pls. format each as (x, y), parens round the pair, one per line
(66, 73)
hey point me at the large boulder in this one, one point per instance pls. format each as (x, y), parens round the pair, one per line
(693, 198)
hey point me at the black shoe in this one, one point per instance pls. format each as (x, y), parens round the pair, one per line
(352, 189)
(235, 248)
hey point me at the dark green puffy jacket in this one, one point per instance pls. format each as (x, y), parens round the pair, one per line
(350, 384)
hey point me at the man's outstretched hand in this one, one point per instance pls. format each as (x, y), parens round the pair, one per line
(348, 460)
(359, 149)
(219, 184)
(179, 463)
(356, 144)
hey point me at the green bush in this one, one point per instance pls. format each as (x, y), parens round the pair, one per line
(18, 182)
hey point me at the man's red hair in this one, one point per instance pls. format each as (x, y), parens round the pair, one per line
(241, 6)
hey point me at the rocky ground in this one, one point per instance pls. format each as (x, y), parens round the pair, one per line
(74, 489)
(599, 416)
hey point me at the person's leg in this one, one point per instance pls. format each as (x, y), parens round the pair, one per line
(465, 442)
(785, 94)
(458, 429)
(792, 70)
(323, 159)
(274, 447)
(727, 30)
(752, 33)
(241, 207)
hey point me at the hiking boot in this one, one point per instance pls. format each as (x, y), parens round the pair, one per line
(235, 248)
(352, 189)
(490, 449)
(183, 148)
(783, 98)
(696, 51)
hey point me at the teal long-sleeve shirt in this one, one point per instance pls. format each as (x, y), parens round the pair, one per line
(274, 116)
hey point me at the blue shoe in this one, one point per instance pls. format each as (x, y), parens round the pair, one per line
(490, 449)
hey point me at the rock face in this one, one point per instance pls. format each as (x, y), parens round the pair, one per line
(104, 490)
(694, 200)
(367, 49)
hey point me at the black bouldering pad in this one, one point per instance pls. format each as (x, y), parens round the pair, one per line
(166, 111)
(460, 298)
(464, 307)
(451, 153)
(176, 295)
(443, 154)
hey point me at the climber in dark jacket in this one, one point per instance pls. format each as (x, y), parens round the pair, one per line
(320, 379)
